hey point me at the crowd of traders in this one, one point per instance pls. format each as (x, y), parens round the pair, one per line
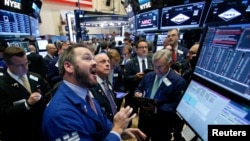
(72, 92)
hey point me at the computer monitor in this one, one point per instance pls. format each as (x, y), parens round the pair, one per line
(201, 106)
(228, 11)
(159, 48)
(97, 36)
(182, 16)
(132, 25)
(34, 26)
(224, 57)
(150, 37)
(147, 21)
(13, 24)
(161, 38)
(43, 53)
(24, 45)
(41, 44)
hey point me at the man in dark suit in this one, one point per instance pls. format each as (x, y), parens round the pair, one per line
(36, 61)
(179, 50)
(51, 51)
(22, 98)
(134, 72)
(166, 88)
(103, 91)
(53, 71)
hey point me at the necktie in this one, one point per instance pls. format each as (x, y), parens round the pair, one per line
(155, 87)
(110, 98)
(174, 57)
(26, 83)
(143, 65)
(125, 61)
(91, 103)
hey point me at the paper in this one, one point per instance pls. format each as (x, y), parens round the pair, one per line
(120, 94)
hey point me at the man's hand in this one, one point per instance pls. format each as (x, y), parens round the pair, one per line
(34, 98)
(130, 133)
(122, 119)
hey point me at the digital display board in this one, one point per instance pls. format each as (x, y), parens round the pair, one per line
(12, 23)
(228, 10)
(129, 11)
(206, 106)
(160, 39)
(147, 20)
(131, 22)
(34, 25)
(182, 16)
(144, 4)
(224, 58)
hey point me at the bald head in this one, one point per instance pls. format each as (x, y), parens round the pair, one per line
(102, 65)
(193, 51)
(32, 48)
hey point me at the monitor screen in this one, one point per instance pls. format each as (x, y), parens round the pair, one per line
(208, 107)
(24, 45)
(97, 36)
(159, 48)
(36, 8)
(12, 23)
(147, 20)
(131, 22)
(182, 16)
(224, 57)
(129, 11)
(34, 25)
(228, 10)
(41, 44)
(161, 38)
(150, 37)
(43, 53)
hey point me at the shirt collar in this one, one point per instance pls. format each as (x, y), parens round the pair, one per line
(81, 92)
(16, 77)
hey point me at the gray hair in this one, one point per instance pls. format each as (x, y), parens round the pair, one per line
(167, 54)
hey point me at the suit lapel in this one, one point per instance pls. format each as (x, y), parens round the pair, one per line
(12, 86)
(137, 65)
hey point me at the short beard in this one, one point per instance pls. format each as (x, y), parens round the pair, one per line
(83, 78)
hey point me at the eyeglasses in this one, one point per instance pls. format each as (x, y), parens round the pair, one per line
(21, 65)
(142, 47)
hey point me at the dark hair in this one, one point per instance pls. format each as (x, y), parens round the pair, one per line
(127, 39)
(9, 52)
(141, 40)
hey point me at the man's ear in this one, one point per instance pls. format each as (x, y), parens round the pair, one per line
(68, 67)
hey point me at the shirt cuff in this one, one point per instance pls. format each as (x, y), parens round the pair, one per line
(118, 135)
(26, 105)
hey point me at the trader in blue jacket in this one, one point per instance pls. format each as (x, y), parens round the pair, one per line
(73, 114)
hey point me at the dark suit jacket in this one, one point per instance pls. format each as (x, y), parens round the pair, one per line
(103, 101)
(36, 64)
(46, 61)
(53, 76)
(118, 80)
(168, 96)
(130, 70)
(17, 122)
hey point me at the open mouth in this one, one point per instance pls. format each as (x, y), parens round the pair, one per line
(93, 71)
